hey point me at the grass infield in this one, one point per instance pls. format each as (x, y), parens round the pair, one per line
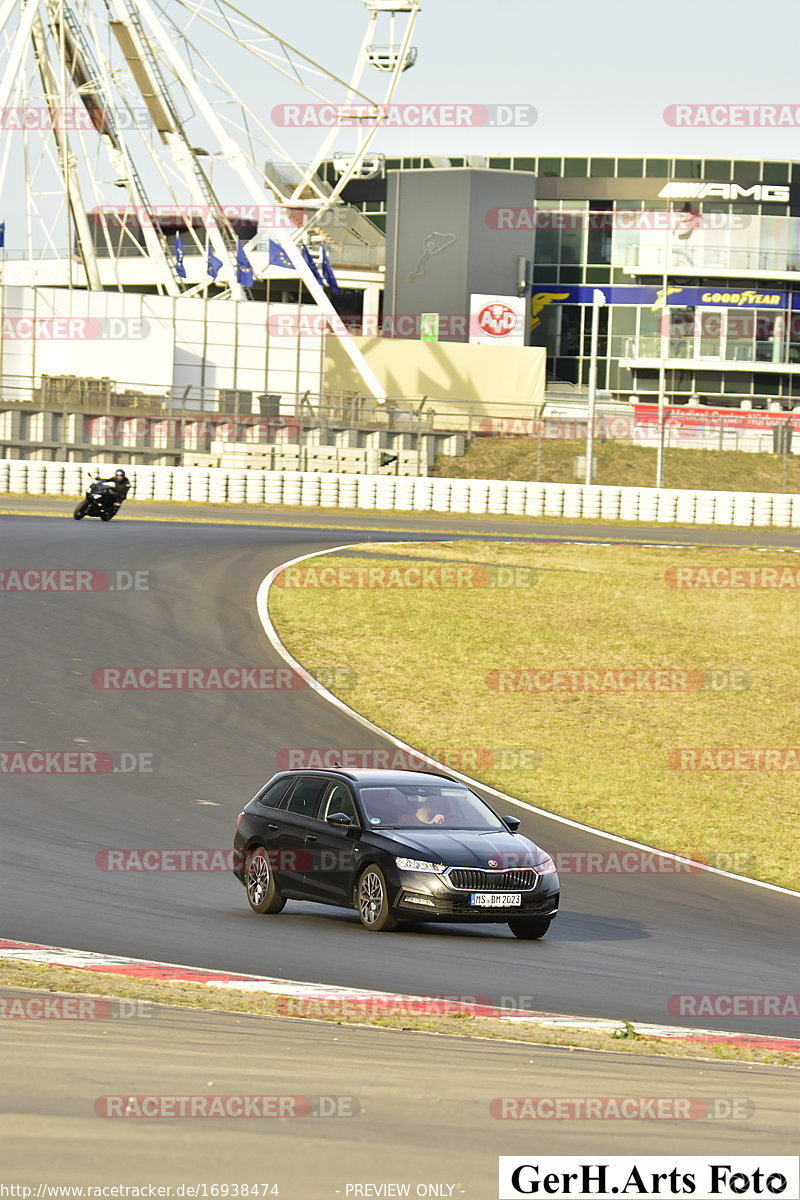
(42, 977)
(451, 669)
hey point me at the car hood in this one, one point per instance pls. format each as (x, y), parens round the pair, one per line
(463, 847)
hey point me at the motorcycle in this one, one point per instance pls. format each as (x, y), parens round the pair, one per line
(101, 500)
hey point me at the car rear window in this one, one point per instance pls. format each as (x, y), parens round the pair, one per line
(304, 797)
(272, 795)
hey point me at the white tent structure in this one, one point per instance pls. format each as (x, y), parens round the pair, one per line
(129, 107)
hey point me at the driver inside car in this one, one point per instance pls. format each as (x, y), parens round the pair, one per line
(430, 814)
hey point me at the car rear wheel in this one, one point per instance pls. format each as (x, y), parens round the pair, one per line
(373, 901)
(259, 881)
(529, 928)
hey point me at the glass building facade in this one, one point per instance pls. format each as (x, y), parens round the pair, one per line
(698, 261)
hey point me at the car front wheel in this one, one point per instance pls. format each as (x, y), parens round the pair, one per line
(373, 901)
(529, 928)
(262, 894)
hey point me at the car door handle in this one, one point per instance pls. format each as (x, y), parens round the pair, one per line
(271, 826)
(311, 837)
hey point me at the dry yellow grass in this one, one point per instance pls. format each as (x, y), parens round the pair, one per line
(623, 465)
(422, 657)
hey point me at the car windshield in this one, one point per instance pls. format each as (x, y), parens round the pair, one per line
(421, 805)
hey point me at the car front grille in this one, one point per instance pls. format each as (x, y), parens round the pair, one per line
(492, 881)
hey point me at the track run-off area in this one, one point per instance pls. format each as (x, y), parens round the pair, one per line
(187, 761)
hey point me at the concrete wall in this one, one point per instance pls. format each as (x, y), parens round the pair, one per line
(460, 380)
(415, 494)
(158, 343)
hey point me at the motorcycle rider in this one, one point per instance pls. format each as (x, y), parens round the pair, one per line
(122, 485)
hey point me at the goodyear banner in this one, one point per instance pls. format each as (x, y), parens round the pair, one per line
(716, 296)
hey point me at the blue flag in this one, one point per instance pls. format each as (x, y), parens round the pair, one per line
(310, 262)
(2, 234)
(214, 264)
(244, 272)
(180, 269)
(278, 256)
(327, 271)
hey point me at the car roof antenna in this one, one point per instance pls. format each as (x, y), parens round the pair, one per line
(336, 763)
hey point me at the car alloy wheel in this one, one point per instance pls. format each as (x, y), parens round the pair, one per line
(373, 902)
(262, 894)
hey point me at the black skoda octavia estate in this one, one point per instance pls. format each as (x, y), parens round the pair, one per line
(395, 846)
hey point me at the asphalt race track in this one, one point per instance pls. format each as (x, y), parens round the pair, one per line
(620, 948)
(385, 1133)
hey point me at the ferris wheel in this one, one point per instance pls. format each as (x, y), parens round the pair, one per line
(102, 100)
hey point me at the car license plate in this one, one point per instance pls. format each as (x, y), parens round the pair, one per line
(496, 899)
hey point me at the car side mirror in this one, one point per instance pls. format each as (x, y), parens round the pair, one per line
(511, 823)
(339, 819)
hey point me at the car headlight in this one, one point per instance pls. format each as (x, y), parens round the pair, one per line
(545, 866)
(418, 864)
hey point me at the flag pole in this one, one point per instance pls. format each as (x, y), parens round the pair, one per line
(598, 300)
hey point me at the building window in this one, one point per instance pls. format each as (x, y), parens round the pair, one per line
(598, 275)
(569, 334)
(709, 381)
(739, 385)
(688, 168)
(743, 171)
(717, 171)
(630, 168)
(576, 168)
(566, 370)
(549, 168)
(657, 168)
(602, 168)
(775, 172)
(600, 223)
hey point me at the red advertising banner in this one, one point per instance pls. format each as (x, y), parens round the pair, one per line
(678, 416)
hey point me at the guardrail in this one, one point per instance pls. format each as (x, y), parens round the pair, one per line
(216, 485)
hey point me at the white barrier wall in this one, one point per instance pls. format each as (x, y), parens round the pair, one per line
(216, 485)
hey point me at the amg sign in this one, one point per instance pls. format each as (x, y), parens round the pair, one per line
(764, 192)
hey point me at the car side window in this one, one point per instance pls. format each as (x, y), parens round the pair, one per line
(339, 800)
(272, 795)
(305, 796)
